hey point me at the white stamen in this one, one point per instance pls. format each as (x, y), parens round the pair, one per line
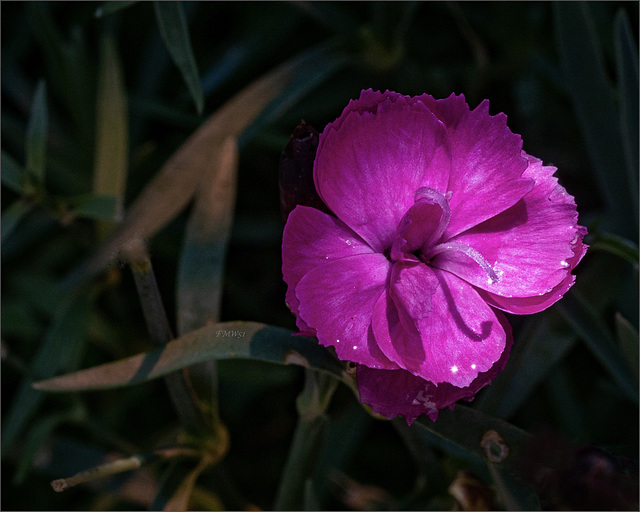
(469, 251)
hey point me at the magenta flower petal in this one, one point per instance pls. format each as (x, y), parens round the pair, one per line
(399, 392)
(369, 165)
(441, 221)
(486, 162)
(532, 247)
(337, 300)
(456, 334)
(312, 238)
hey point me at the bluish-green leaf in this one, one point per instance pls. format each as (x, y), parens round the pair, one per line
(593, 100)
(94, 206)
(59, 351)
(202, 260)
(540, 345)
(112, 6)
(227, 340)
(617, 245)
(112, 139)
(12, 216)
(461, 430)
(13, 175)
(175, 33)
(586, 322)
(628, 84)
(628, 340)
(36, 143)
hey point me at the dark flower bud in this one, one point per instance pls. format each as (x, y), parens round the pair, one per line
(296, 171)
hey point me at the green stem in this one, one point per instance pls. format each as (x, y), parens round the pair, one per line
(160, 333)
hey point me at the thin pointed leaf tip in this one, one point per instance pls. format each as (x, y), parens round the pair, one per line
(438, 222)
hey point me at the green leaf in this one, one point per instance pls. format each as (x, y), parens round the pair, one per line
(617, 245)
(202, 260)
(37, 436)
(111, 155)
(460, 431)
(13, 175)
(628, 84)
(174, 185)
(112, 6)
(93, 206)
(12, 216)
(60, 350)
(175, 33)
(586, 322)
(227, 340)
(628, 340)
(36, 143)
(593, 100)
(539, 347)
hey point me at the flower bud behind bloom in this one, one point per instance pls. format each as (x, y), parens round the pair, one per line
(296, 171)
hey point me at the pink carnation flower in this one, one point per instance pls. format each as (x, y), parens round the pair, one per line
(440, 221)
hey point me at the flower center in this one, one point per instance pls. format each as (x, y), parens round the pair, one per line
(420, 232)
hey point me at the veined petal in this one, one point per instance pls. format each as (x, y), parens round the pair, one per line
(312, 238)
(456, 336)
(532, 247)
(486, 162)
(337, 299)
(369, 165)
(399, 392)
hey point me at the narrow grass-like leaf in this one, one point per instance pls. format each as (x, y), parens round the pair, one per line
(541, 345)
(112, 6)
(202, 259)
(463, 428)
(315, 66)
(111, 155)
(36, 143)
(617, 245)
(173, 187)
(92, 206)
(227, 340)
(628, 340)
(59, 351)
(586, 322)
(70, 77)
(593, 100)
(628, 84)
(12, 216)
(180, 498)
(13, 175)
(175, 33)
(37, 436)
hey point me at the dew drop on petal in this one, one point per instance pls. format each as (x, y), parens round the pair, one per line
(454, 369)
(473, 366)
(564, 263)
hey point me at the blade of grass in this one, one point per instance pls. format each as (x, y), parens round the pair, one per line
(628, 84)
(112, 6)
(173, 187)
(586, 322)
(462, 429)
(617, 245)
(12, 216)
(537, 349)
(227, 340)
(36, 143)
(592, 96)
(628, 340)
(175, 33)
(13, 175)
(59, 351)
(111, 155)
